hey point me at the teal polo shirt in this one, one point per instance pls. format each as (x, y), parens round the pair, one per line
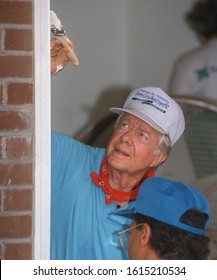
(83, 226)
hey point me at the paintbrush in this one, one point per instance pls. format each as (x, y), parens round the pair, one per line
(60, 33)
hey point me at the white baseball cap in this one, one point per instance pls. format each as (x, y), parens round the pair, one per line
(155, 107)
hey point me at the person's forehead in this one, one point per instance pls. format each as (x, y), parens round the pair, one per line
(135, 120)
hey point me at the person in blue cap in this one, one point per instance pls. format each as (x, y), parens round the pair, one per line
(169, 223)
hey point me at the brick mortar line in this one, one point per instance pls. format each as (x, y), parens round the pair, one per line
(20, 133)
(22, 26)
(16, 80)
(1, 201)
(16, 213)
(16, 161)
(4, 154)
(2, 34)
(16, 107)
(15, 240)
(5, 93)
(16, 53)
(17, 187)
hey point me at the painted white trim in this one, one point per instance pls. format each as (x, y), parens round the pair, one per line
(42, 130)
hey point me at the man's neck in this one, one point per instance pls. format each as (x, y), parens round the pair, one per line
(124, 181)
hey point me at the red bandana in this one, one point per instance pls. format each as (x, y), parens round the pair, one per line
(112, 194)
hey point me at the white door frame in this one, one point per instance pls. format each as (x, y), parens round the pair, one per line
(41, 228)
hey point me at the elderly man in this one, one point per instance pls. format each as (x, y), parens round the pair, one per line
(92, 187)
(169, 223)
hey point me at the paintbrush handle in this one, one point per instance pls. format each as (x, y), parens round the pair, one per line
(71, 54)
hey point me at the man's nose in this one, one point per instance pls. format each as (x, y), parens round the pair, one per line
(128, 136)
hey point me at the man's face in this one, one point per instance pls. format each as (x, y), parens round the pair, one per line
(132, 147)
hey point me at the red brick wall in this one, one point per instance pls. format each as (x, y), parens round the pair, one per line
(16, 129)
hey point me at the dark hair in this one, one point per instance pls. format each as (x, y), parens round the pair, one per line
(172, 243)
(202, 18)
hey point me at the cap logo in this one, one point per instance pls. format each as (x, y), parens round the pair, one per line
(152, 99)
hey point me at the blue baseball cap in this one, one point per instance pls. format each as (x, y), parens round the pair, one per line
(167, 201)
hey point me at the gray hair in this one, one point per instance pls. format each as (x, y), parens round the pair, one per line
(164, 145)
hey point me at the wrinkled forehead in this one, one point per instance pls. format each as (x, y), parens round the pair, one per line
(137, 122)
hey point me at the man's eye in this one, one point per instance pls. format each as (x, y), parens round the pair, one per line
(144, 136)
(124, 125)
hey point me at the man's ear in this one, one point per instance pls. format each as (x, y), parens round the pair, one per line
(158, 159)
(145, 235)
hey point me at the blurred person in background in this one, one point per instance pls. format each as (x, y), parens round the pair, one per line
(195, 72)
